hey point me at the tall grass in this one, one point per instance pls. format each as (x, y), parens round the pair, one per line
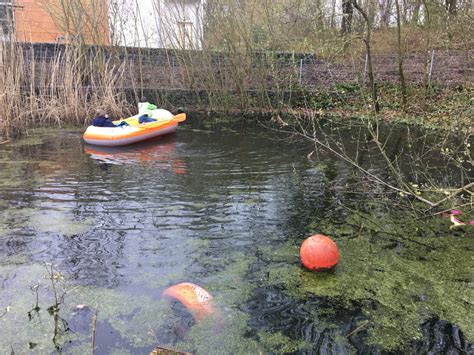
(67, 88)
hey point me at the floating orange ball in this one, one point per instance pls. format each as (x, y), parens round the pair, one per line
(318, 253)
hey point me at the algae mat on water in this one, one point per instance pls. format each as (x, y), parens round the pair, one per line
(399, 275)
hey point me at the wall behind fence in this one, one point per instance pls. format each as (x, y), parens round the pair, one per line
(189, 70)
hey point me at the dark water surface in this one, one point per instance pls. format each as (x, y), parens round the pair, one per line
(226, 210)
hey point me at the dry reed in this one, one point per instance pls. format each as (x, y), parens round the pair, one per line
(68, 88)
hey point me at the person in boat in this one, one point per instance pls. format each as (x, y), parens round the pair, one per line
(145, 119)
(144, 111)
(106, 121)
(145, 107)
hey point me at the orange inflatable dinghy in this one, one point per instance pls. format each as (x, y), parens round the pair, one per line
(196, 299)
(133, 132)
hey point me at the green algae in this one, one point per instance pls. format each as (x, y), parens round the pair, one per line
(27, 141)
(252, 201)
(36, 136)
(132, 318)
(410, 277)
(58, 222)
(198, 205)
(207, 338)
(408, 284)
(13, 219)
(117, 351)
(163, 280)
(139, 320)
(44, 221)
(18, 174)
(135, 320)
(219, 219)
(230, 284)
(279, 343)
(230, 289)
(17, 329)
(79, 349)
(388, 274)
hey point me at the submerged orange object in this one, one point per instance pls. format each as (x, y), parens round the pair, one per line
(318, 253)
(196, 299)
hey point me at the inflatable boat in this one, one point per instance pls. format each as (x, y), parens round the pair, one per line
(134, 131)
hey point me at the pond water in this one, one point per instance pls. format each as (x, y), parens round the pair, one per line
(101, 233)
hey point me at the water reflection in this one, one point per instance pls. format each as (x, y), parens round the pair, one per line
(159, 153)
(215, 209)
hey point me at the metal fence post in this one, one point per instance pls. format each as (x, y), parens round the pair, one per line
(431, 66)
(301, 71)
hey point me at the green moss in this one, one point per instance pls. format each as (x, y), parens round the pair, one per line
(230, 285)
(80, 349)
(134, 319)
(220, 219)
(227, 338)
(17, 329)
(198, 205)
(27, 141)
(409, 277)
(120, 352)
(12, 219)
(58, 222)
(45, 221)
(277, 342)
(17, 174)
(252, 201)
(230, 288)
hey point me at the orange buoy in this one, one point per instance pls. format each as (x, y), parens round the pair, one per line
(196, 299)
(318, 253)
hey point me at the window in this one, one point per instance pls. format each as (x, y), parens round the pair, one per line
(185, 34)
(6, 19)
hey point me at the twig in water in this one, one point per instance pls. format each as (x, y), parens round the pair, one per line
(456, 192)
(444, 211)
(7, 309)
(359, 328)
(167, 351)
(94, 327)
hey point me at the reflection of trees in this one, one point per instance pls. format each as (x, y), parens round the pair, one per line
(215, 169)
(227, 161)
(46, 179)
(72, 183)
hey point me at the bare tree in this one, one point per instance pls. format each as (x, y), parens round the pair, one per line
(416, 12)
(367, 41)
(347, 14)
(400, 57)
(385, 9)
(451, 7)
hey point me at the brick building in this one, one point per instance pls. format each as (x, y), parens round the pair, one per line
(55, 21)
